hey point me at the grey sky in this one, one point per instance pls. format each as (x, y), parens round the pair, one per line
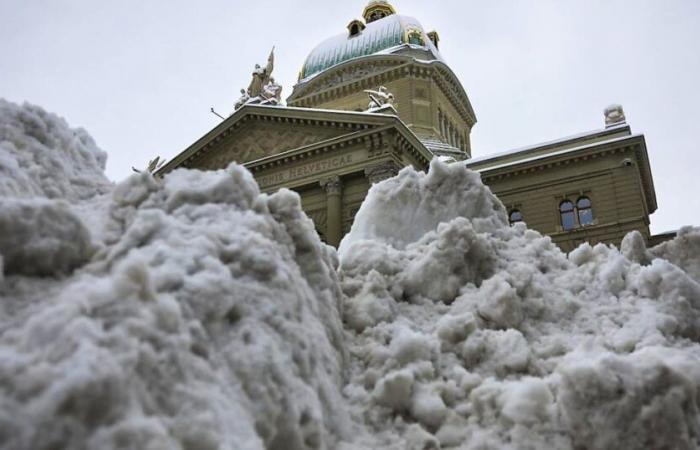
(140, 76)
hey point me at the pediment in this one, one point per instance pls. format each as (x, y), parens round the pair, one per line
(258, 139)
(256, 132)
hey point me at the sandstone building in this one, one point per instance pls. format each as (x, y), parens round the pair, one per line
(326, 145)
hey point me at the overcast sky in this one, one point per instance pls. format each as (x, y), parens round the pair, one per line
(140, 76)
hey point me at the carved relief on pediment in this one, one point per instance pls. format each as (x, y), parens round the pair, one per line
(257, 141)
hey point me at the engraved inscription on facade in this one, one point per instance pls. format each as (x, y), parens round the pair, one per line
(306, 169)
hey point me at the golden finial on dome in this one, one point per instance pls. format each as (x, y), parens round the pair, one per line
(377, 9)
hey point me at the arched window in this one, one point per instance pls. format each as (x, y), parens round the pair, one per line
(578, 215)
(585, 213)
(515, 216)
(568, 217)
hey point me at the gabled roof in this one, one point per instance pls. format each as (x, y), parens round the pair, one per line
(353, 122)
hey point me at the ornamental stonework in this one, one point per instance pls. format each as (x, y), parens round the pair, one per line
(257, 141)
(352, 73)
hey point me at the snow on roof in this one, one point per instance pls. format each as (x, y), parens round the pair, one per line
(383, 36)
(542, 145)
(549, 154)
(437, 146)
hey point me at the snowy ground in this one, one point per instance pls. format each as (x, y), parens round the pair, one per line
(197, 313)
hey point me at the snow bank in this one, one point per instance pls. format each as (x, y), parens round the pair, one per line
(205, 315)
(470, 333)
(196, 312)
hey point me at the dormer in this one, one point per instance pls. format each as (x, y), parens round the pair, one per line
(355, 27)
(434, 38)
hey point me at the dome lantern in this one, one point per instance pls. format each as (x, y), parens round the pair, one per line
(377, 9)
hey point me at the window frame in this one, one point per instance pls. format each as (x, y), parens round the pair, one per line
(515, 211)
(571, 213)
(585, 209)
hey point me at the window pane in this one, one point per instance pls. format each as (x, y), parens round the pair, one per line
(585, 216)
(566, 206)
(515, 216)
(568, 220)
(583, 202)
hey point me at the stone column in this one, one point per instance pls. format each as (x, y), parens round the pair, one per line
(381, 172)
(334, 219)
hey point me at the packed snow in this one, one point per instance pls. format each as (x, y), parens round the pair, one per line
(194, 312)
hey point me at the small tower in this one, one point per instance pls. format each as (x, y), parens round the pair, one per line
(377, 9)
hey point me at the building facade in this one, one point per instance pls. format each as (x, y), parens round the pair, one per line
(327, 145)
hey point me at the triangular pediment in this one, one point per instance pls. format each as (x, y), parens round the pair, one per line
(256, 132)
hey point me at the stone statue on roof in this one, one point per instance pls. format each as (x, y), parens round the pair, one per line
(272, 93)
(379, 98)
(262, 89)
(614, 115)
(153, 165)
(261, 76)
(242, 99)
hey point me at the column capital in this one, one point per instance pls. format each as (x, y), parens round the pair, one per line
(331, 185)
(382, 171)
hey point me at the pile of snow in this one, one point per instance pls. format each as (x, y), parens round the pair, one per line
(196, 312)
(470, 333)
(206, 315)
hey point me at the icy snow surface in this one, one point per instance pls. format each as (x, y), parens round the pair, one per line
(195, 312)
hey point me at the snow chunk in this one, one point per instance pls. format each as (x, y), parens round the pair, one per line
(643, 400)
(42, 237)
(41, 156)
(499, 305)
(401, 210)
(395, 389)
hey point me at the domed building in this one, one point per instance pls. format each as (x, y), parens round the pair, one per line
(379, 96)
(391, 50)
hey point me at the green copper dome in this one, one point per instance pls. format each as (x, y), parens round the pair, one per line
(379, 36)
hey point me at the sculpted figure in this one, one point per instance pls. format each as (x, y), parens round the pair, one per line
(242, 99)
(379, 97)
(153, 165)
(262, 88)
(272, 93)
(614, 114)
(261, 76)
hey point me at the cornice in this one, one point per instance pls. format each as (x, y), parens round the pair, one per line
(373, 138)
(635, 144)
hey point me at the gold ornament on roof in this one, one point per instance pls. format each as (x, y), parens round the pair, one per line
(377, 9)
